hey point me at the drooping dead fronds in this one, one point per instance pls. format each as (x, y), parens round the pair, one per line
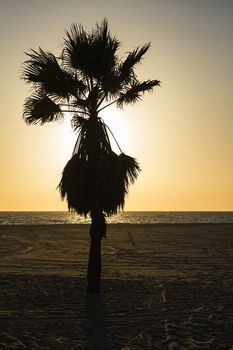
(102, 181)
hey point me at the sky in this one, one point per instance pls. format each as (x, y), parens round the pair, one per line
(181, 134)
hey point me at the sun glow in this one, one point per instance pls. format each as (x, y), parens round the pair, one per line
(119, 129)
(63, 141)
(118, 126)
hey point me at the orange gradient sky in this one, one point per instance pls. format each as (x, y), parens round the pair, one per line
(182, 134)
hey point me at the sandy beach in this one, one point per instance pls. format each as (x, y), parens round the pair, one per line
(163, 287)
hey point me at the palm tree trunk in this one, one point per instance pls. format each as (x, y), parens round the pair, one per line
(97, 232)
(98, 224)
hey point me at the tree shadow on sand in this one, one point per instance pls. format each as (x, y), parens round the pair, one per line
(96, 329)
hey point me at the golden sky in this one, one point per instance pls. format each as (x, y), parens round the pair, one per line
(182, 133)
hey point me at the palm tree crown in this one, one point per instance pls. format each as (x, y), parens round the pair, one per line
(87, 77)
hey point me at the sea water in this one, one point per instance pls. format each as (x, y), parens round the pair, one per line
(131, 217)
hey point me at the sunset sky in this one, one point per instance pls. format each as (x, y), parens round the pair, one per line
(181, 134)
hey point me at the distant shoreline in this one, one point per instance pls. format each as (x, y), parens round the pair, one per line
(115, 225)
(124, 211)
(126, 217)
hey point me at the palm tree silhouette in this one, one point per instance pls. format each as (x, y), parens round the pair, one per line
(86, 78)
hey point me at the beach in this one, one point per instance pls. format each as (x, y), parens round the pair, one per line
(163, 287)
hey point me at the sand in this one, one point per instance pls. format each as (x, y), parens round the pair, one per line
(163, 287)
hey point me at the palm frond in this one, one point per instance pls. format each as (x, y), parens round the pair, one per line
(39, 109)
(126, 68)
(135, 56)
(123, 77)
(82, 103)
(78, 122)
(76, 47)
(110, 84)
(92, 53)
(43, 70)
(135, 91)
(105, 47)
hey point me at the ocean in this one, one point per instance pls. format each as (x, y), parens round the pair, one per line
(131, 217)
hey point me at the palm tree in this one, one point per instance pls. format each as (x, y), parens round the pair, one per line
(86, 78)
